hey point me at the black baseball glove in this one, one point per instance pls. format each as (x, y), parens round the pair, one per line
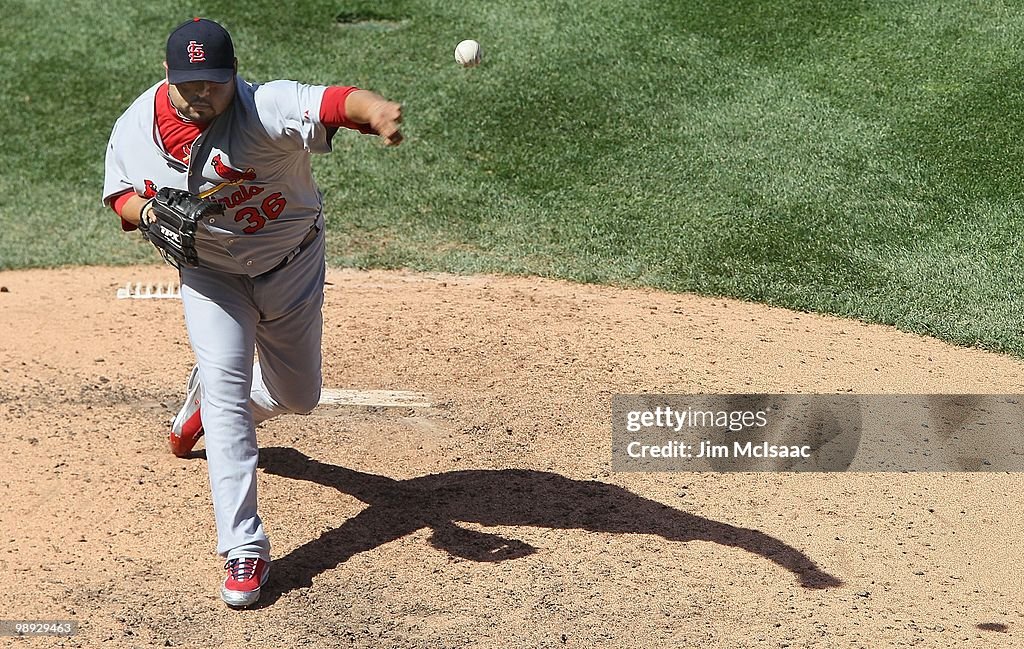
(173, 232)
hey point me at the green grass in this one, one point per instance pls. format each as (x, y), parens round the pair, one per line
(853, 157)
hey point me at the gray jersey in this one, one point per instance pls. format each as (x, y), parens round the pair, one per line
(255, 159)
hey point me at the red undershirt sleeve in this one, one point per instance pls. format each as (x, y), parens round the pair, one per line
(117, 204)
(332, 110)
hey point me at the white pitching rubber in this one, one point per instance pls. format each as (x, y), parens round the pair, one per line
(378, 398)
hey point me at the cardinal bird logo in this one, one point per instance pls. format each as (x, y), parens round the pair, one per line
(230, 174)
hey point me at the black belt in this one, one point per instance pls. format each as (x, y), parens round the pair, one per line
(307, 242)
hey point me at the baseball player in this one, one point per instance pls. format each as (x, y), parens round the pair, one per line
(259, 283)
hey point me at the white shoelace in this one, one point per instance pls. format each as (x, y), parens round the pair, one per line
(241, 569)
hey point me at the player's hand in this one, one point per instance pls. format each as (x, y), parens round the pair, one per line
(146, 214)
(386, 119)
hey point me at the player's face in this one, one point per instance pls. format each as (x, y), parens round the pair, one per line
(201, 101)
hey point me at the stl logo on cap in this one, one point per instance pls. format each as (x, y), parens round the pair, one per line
(195, 52)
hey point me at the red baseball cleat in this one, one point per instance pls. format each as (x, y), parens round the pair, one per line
(242, 584)
(187, 426)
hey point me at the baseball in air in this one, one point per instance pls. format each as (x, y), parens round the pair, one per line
(468, 53)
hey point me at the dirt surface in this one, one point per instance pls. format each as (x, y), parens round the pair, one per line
(490, 518)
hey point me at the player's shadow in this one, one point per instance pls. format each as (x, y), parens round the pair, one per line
(506, 497)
